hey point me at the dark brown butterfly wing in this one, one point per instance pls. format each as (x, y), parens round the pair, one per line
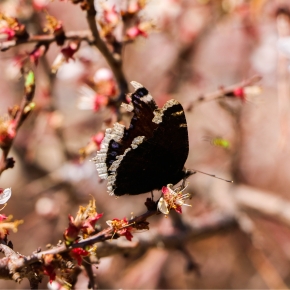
(149, 154)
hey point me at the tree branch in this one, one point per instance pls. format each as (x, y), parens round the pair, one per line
(115, 62)
(200, 228)
(20, 117)
(47, 39)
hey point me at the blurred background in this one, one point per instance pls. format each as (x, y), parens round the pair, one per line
(192, 48)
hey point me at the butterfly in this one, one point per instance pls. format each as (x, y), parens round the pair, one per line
(150, 153)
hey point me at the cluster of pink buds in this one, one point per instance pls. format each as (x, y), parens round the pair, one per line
(111, 18)
(65, 55)
(104, 89)
(22, 60)
(109, 21)
(95, 98)
(83, 224)
(121, 227)
(55, 26)
(10, 28)
(140, 29)
(172, 199)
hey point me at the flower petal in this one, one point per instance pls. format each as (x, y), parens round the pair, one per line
(128, 235)
(178, 209)
(162, 205)
(165, 190)
(5, 195)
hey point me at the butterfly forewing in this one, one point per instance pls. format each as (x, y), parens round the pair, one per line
(157, 161)
(141, 124)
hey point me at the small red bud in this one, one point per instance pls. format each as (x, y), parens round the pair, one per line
(239, 93)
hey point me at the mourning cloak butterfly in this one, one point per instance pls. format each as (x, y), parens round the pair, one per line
(149, 154)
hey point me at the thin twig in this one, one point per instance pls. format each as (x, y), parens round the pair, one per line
(224, 91)
(84, 35)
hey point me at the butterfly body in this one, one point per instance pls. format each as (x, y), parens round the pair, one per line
(149, 154)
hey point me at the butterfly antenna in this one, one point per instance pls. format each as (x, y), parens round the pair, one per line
(212, 175)
(3, 206)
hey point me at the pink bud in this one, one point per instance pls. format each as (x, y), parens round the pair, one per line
(70, 50)
(100, 101)
(98, 138)
(135, 31)
(111, 16)
(239, 93)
